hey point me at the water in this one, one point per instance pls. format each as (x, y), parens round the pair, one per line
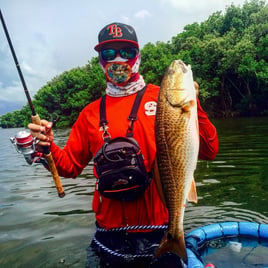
(235, 185)
(243, 252)
(38, 229)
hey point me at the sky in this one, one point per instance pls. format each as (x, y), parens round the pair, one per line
(53, 36)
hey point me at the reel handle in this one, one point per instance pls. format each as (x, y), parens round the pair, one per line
(52, 167)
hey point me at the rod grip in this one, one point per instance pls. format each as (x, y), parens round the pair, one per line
(55, 174)
(51, 164)
(36, 119)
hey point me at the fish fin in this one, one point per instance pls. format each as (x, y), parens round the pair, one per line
(192, 194)
(172, 244)
(158, 182)
(188, 106)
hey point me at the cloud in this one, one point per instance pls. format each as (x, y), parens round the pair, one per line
(125, 19)
(141, 14)
(193, 6)
(28, 69)
(12, 93)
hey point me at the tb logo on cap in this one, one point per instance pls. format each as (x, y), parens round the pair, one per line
(114, 30)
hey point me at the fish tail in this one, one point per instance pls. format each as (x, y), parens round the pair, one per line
(192, 195)
(174, 244)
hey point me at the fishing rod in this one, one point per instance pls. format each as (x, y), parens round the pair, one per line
(35, 119)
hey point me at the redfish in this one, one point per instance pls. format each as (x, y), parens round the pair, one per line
(177, 142)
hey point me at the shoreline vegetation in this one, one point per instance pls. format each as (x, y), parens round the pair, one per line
(228, 53)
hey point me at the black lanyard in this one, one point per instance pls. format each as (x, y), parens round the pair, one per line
(132, 117)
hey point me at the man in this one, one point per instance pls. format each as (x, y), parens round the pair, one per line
(121, 204)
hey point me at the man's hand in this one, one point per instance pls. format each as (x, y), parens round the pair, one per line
(42, 132)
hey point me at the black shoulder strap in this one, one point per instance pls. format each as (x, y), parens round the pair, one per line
(103, 120)
(132, 117)
(133, 114)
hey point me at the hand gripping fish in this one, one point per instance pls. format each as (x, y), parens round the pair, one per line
(177, 141)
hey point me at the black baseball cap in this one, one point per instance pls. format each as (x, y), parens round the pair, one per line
(117, 32)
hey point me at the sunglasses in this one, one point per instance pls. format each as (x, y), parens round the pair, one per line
(125, 53)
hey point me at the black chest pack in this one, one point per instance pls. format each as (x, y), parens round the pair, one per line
(119, 163)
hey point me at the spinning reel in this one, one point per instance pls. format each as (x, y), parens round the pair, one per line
(26, 145)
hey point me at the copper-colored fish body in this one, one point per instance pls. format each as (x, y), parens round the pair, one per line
(177, 141)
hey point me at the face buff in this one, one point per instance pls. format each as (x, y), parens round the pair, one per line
(122, 76)
(118, 73)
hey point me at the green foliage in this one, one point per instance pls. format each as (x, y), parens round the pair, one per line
(229, 58)
(228, 54)
(155, 60)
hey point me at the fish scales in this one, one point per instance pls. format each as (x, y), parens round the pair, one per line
(176, 133)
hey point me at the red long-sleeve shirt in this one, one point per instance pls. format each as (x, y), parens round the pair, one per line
(86, 138)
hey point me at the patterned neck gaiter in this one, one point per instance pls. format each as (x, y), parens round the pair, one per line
(122, 76)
